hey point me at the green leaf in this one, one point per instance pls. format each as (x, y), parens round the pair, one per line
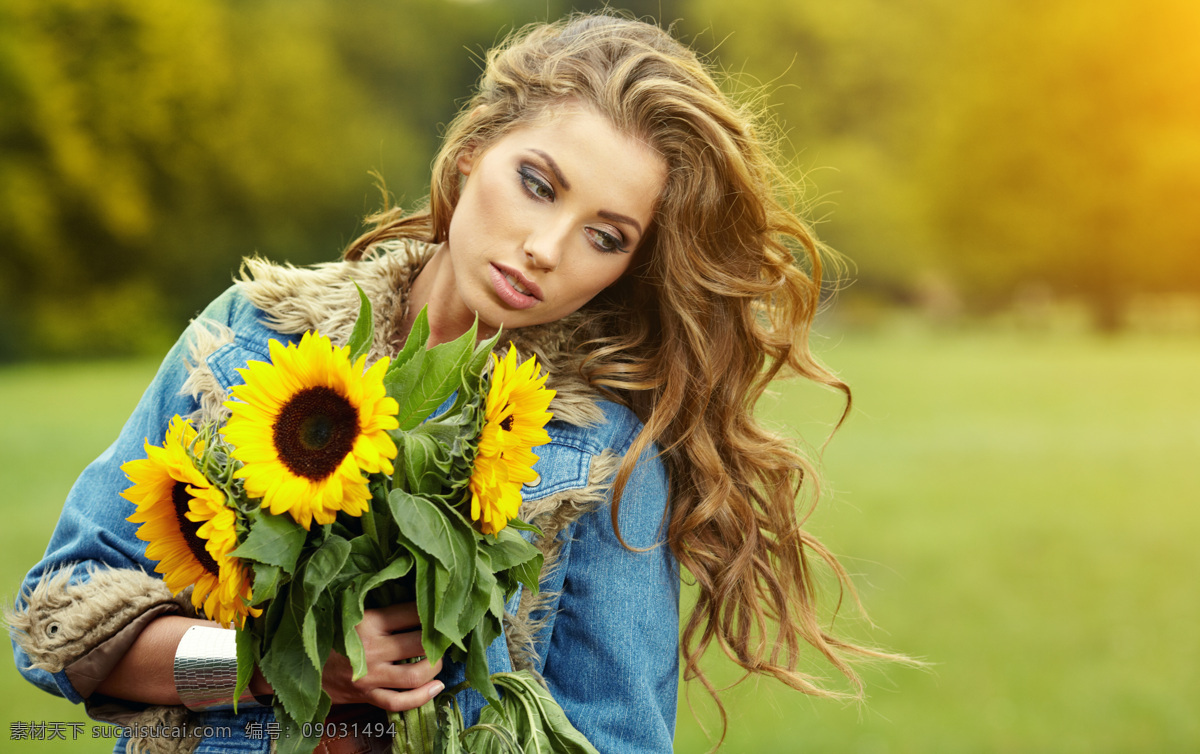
(443, 430)
(324, 566)
(268, 623)
(530, 716)
(443, 536)
(273, 540)
(423, 524)
(247, 659)
(317, 629)
(449, 726)
(434, 642)
(363, 336)
(313, 603)
(476, 665)
(529, 573)
(479, 357)
(455, 586)
(401, 379)
(488, 738)
(528, 723)
(401, 564)
(472, 372)
(480, 598)
(352, 614)
(353, 605)
(508, 549)
(421, 463)
(289, 668)
(520, 525)
(291, 739)
(418, 336)
(515, 715)
(434, 454)
(364, 554)
(563, 737)
(267, 580)
(439, 377)
(308, 636)
(496, 605)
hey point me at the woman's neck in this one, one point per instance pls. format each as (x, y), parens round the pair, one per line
(436, 288)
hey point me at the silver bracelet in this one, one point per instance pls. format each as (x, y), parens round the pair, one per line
(206, 670)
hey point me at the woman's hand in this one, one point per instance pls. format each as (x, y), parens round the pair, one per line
(388, 634)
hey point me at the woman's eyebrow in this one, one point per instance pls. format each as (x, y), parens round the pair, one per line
(562, 180)
(619, 218)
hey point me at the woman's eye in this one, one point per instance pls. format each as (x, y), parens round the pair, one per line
(535, 185)
(604, 241)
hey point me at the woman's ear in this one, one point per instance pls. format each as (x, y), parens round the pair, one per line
(466, 160)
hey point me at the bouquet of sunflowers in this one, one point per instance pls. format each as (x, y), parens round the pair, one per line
(332, 488)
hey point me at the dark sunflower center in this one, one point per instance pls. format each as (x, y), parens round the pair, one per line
(315, 431)
(190, 529)
(507, 422)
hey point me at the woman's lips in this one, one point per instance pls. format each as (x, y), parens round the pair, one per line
(508, 292)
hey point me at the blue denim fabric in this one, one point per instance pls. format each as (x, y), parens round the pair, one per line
(609, 649)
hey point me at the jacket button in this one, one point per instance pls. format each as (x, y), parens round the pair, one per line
(537, 479)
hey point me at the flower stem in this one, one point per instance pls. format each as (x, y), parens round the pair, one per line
(368, 524)
(416, 730)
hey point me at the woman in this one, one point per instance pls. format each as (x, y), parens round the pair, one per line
(601, 200)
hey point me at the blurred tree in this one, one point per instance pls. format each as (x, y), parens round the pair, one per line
(146, 146)
(995, 144)
(848, 84)
(1071, 153)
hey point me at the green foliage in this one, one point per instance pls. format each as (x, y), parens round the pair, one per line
(363, 335)
(272, 540)
(412, 544)
(1072, 152)
(528, 710)
(425, 381)
(417, 729)
(992, 148)
(147, 146)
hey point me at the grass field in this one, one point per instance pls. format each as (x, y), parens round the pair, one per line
(1021, 512)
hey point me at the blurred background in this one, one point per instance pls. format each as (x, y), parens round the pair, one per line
(1013, 181)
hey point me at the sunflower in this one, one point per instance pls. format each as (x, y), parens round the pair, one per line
(515, 417)
(189, 527)
(307, 425)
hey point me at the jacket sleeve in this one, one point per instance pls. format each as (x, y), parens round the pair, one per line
(84, 603)
(610, 647)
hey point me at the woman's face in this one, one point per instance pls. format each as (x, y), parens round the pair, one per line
(549, 216)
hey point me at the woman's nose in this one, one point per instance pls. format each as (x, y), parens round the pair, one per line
(543, 249)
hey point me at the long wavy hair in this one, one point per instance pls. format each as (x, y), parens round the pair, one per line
(718, 304)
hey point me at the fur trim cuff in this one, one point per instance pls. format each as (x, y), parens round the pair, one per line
(85, 628)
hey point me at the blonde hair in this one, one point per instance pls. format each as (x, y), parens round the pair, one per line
(715, 308)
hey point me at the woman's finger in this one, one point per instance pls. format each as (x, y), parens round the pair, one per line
(390, 619)
(399, 701)
(405, 675)
(393, 647)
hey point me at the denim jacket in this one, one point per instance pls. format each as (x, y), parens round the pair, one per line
(603, 632)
